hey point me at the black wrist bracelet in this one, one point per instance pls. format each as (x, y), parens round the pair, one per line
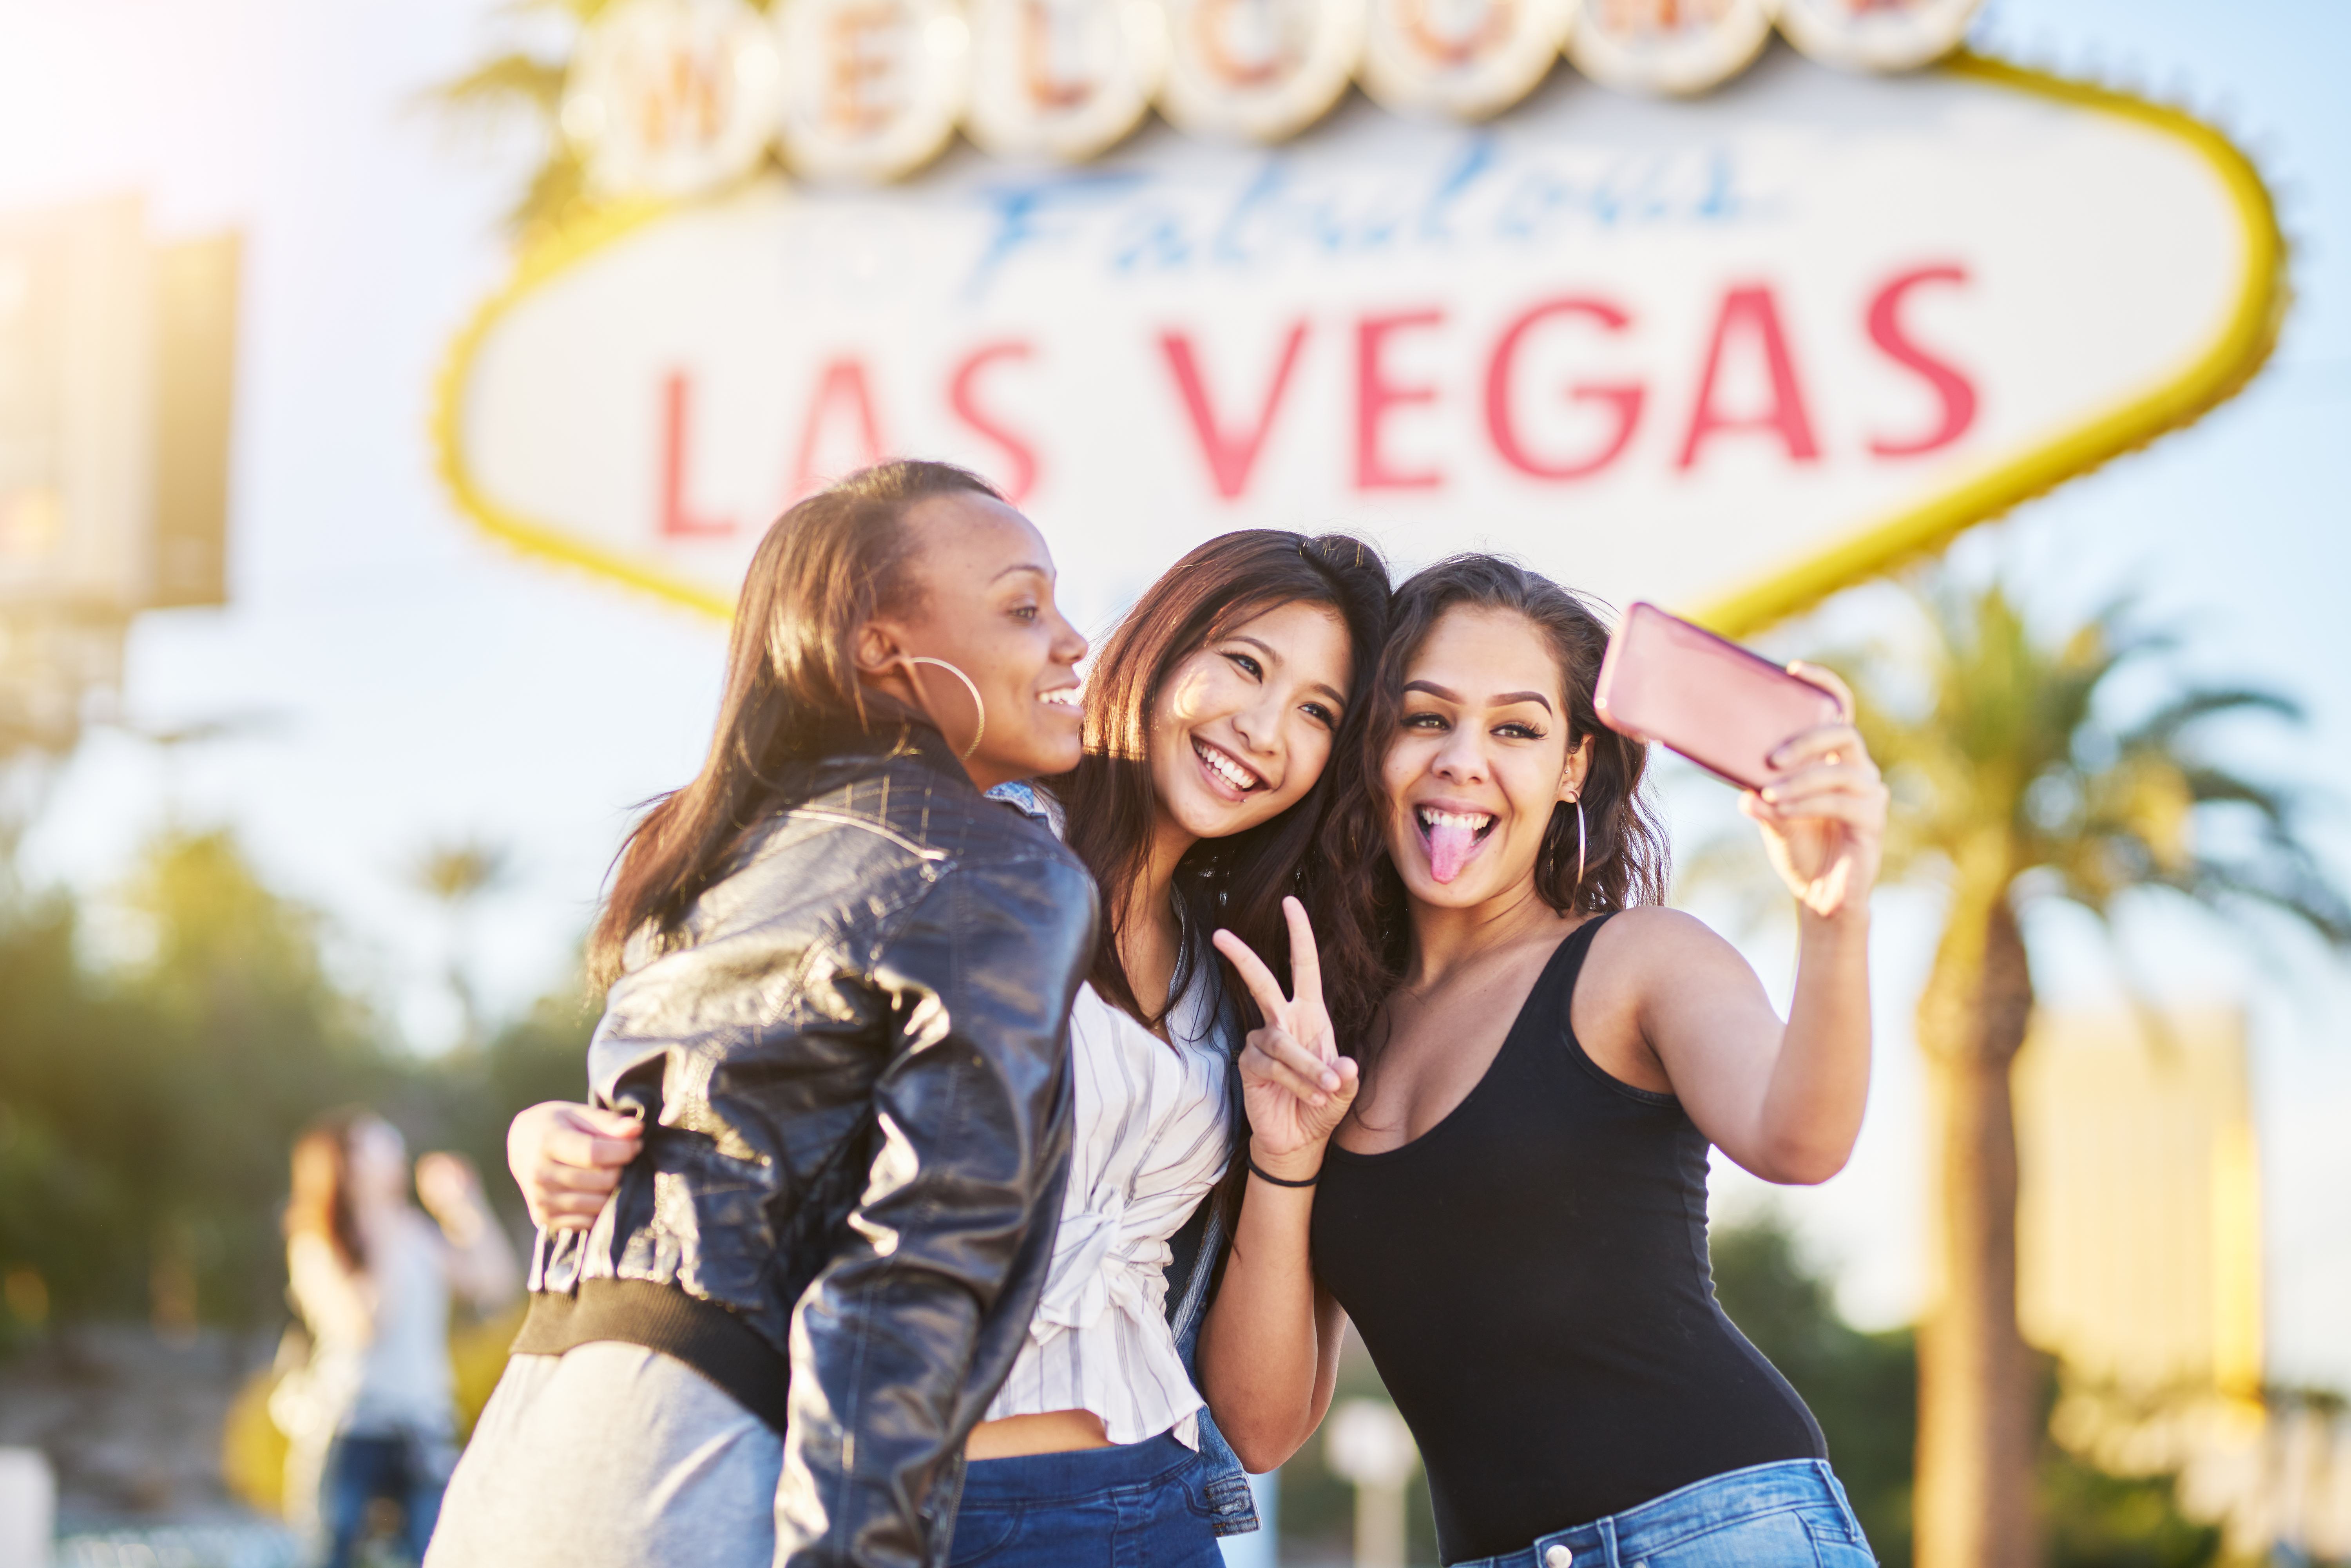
(1264, 1174)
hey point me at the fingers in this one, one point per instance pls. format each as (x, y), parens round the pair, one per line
(1840, 741)
(1853, 794)
(1305, 958)
(1255, 976)
(443, 1168)
(1273, 1057)
(1822, 676)
(569, 1197)
(597, 1119)
(1286, 1048)
(566, 1145)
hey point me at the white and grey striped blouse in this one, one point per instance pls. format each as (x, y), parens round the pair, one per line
(1149, 1141)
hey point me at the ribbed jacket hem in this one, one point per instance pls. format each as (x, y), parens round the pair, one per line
(705, 1337)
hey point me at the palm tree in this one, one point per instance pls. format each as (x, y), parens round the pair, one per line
(2013, 785)
(456, 876)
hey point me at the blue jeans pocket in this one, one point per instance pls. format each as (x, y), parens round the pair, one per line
(1837, 1542)
(982, 1533)
(1772, 1541)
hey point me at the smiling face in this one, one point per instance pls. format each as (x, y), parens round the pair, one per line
(984, 604)
(1479, 760)
(1243, 727)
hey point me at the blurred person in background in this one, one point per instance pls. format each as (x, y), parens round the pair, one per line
(839, 984)
(1215, 718)
(371, 1417)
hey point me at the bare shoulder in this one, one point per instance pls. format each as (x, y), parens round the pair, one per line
(1650, 933)
(1649, 948)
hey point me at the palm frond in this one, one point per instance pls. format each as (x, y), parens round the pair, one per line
(2168, 724)
(507, 81)
(2010, 773)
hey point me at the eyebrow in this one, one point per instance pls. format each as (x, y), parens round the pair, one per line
(1505, 700)
(1325, 687)
(1024, 566)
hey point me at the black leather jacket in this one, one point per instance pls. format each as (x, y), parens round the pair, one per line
(851, 1061)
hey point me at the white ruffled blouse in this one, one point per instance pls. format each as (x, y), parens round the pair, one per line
(1149, 1141)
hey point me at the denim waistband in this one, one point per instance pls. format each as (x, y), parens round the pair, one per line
(1081, 1473)
(1648, 1528)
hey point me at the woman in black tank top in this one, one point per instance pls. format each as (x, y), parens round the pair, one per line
(1513, 1211)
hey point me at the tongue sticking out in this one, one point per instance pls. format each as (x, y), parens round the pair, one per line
(1450, 845)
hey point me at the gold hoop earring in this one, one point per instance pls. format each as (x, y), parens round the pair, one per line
(978, 706)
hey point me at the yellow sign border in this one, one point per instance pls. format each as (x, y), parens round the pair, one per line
(2216, 374)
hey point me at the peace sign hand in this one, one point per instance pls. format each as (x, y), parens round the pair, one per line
(1294, 1081)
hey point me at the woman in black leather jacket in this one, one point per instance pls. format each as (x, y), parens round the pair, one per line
(840, 984)
(1212, 716)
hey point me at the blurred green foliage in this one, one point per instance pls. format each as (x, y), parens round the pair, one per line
(1864, 1389)
(148, 1096)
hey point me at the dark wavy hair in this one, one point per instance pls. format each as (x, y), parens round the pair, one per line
(828, 566)
(1626, 858)
(1235, 882)
(321, 1204)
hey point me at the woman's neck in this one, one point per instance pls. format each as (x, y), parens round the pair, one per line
(1147, 931)
(1444, 938)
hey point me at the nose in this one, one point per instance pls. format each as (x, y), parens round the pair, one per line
(1259, 723)
(1069, 645)
(1462, 758)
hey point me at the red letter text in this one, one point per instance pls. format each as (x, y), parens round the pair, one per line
(1958, 396)
(1020, 459)
(1230, 457)
(677, 518)
(1502, 427)
(1753, 313)
(843, 381)
(1375, 395)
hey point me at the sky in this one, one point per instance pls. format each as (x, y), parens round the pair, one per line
(399, 681)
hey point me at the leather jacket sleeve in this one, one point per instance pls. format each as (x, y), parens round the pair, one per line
(904, 1337)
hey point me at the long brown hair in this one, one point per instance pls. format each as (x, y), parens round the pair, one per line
(1235, 882)
(829, 565)
(321, 1202)
(1626, 860)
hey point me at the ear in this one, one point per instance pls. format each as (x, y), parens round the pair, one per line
(878, 648)
(1578, 769)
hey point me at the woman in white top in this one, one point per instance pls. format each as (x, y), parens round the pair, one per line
(372, 1416)
(1212, 715)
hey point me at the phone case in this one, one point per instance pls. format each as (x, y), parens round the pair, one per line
(1723, 707)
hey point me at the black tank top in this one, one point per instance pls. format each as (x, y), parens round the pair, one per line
(1530, 1278)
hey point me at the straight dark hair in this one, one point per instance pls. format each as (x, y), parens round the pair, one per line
(1235, 882)
(829, 565)
(1626, 859)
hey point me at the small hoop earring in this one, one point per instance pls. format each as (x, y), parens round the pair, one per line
(979, 707)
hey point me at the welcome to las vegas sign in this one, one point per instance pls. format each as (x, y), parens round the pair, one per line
(1728, 353)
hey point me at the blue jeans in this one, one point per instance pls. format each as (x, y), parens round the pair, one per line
(361, 1470)
(1126, 1507)
(1792, 1515)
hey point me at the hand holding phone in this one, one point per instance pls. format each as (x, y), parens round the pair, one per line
(1822, 809)
(1704, 696)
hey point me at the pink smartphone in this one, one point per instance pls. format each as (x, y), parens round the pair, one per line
(1724, 708)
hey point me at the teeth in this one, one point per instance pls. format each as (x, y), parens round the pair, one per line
(1475, 822)
(1067, 697)
(1225, 767)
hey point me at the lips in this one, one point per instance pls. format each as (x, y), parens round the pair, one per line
(1222, 767)
(1452, 838)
